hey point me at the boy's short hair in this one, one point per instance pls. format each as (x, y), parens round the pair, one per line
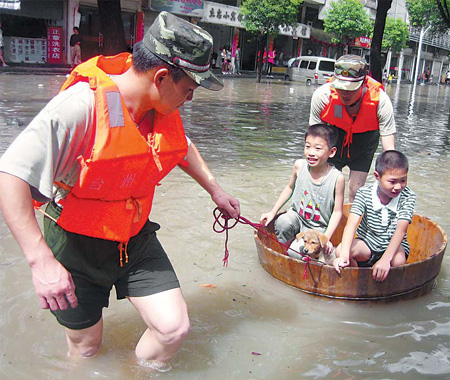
(323, 131)
(144, 60)
(391, 160)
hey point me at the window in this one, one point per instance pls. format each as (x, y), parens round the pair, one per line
(296, 62)
(312, 65)
(304, 64)
(326, 66)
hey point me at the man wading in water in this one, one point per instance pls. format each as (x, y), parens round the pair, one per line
(360, 111)
(96, 152)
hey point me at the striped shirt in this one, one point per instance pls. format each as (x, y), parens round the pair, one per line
(379, 221)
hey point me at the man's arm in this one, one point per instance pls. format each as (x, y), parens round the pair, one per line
(388, 142)
(319, 100)
(385, 114)
(53, 284)
(200, 172)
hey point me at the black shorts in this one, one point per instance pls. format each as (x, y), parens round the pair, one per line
(95, 268)
(361, 150)
(374, 257)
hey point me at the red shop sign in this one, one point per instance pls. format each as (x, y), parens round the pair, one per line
(54, 44)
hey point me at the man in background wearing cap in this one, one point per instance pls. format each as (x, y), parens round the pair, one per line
(357, 106)
(96, 153)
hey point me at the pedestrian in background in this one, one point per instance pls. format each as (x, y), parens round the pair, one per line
(271, 62)
(75, 47)
(237, 61)
(225, 65)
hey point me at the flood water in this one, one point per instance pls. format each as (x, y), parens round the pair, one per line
(250, 326)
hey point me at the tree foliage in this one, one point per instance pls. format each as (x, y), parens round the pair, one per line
(424, 14)
(264, 17)
(346, 18)
(396, 34)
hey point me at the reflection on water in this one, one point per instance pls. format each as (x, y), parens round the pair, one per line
(251, 326)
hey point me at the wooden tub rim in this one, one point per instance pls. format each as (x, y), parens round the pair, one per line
(316, 263)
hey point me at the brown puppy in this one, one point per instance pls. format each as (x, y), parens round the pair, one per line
(315, 244)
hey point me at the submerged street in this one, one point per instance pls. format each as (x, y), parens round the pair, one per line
(247, 325)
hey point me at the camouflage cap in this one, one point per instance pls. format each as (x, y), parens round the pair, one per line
(349, 72)
(185, 45)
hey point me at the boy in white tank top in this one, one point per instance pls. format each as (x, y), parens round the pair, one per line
(316, 190)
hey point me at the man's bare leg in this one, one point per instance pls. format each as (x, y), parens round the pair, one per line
(166, 317)
(86, 342)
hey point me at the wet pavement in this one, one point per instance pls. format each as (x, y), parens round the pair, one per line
(250, 326)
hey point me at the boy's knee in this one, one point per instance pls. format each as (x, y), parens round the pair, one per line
(281, 223)
(398, 259)
(284, 228)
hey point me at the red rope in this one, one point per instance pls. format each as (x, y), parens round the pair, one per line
(224, 227)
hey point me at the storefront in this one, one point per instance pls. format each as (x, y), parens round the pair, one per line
(360, 46)
(33, 33)
(85, 15)
(224, 23)
(39, 31)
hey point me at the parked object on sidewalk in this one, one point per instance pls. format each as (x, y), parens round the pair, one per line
(427, 240)
(311, 70)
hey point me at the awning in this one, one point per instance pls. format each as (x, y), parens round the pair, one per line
(10, 4)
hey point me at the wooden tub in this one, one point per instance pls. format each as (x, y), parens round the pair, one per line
(427, 241)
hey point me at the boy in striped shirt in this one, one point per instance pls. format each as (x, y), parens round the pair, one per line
(385, 209)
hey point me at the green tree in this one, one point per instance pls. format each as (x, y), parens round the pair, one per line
(396, 34)
(264, 18)
(425, 14)
(346, 19)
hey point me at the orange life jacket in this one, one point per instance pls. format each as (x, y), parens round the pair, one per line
(113, 196)
(366, 120)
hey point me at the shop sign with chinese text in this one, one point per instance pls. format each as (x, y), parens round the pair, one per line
(179, 7)
(364, 42)
(231, 16)
(28, 50)
(54, 44)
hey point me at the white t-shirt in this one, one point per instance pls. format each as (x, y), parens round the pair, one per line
(47, 150)
(385, 111)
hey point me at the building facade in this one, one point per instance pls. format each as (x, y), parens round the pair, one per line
(38, 31)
